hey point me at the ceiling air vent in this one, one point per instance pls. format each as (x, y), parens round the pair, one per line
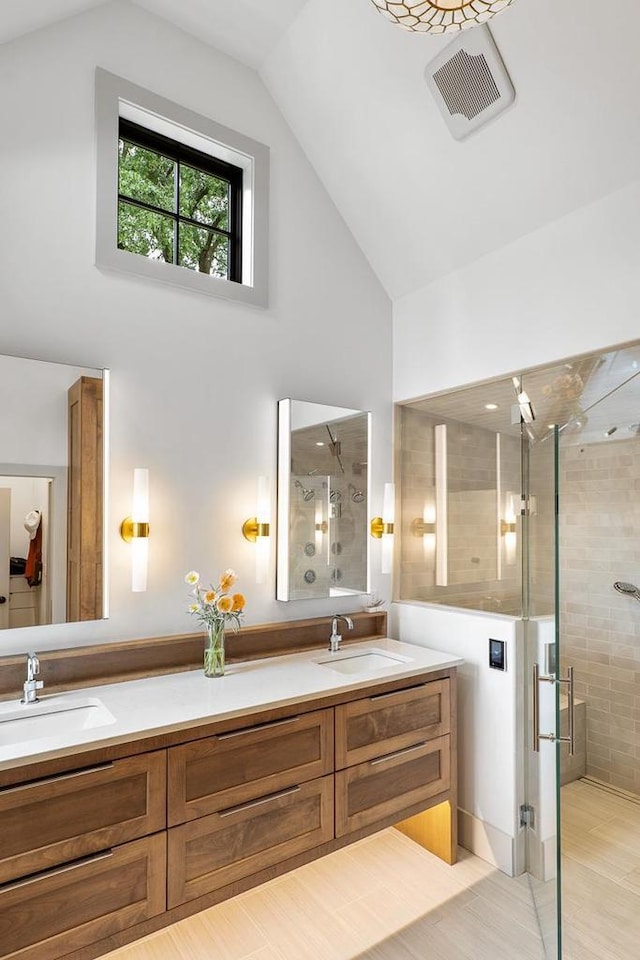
(470, 82)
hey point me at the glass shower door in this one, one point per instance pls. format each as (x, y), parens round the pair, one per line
(540, 812)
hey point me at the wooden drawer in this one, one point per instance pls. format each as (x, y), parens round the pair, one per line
(223, 771)
(384, 723)
(66, 817)
(53, 913)
(390, 785)
(206, 854)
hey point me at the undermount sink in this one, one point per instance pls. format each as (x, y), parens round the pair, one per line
(46, 720)
(362, 661)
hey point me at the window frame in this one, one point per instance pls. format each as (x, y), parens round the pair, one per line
(182, 154)
(118, 98)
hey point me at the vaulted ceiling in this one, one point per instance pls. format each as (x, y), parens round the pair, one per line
(419, 203)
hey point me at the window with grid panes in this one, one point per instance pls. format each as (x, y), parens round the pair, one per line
(177, 204)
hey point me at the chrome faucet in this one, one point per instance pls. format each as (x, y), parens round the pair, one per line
(335, 638)
(31, 685)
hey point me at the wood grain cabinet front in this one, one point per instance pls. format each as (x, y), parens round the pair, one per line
(392, 784)
(63, 818)
(206, 854)
(384, 723)
(229, 769)
(48, 915)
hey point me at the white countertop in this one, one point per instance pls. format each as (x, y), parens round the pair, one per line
(163, 704)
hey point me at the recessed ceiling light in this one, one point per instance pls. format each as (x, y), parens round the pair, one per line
(319, 443)
(491, 406)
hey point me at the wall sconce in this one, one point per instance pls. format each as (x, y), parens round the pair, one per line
(257, 529)
(135, 530)
(422, 528)
(382, 527)
(508, 530)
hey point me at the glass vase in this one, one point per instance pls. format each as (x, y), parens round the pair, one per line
(214, 650)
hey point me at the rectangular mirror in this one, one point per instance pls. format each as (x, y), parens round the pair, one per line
(52, 483)
(323, 496)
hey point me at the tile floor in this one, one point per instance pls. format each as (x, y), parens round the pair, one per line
(385, 898)
(600, 873)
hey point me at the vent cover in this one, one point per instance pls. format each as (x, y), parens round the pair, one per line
(469, 82)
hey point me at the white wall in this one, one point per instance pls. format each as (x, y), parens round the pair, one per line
(195, 380)
(569, 288)
(489, 783)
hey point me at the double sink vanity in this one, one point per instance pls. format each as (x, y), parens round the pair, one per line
(130, 805)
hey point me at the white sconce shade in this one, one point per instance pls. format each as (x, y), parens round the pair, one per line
(442, 505)
(382, 527)
(257, 529)
(388, 517)
(135, 530)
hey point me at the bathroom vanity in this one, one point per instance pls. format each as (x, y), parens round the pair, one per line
(199, 789)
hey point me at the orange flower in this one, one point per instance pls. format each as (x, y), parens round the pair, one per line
(238, 602)
(227, 579)
(209, 596)
(225, 604)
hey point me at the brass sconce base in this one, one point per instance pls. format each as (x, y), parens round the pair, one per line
(379, 527)
(420, 528)
(251, 529)
(131, 529)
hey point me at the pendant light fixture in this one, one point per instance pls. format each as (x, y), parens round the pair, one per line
(439, 16)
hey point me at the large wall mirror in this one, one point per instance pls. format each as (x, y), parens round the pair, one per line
(323, 496)
(52, 482)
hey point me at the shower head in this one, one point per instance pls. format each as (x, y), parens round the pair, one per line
(307, 492)
(357, 496)
(629, 588)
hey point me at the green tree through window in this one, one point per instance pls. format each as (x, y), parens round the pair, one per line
(178, 205)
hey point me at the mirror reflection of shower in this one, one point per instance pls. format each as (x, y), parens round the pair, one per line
(356, 495)
(307, 493)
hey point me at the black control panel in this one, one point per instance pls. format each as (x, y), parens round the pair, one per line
(497, 654)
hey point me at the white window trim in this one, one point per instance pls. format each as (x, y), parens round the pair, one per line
(115, 98)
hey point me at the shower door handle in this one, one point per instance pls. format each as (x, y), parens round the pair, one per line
(552, 737)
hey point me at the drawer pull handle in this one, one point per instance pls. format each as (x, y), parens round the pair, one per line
(57, 871)
(257, 803)
(72, 774)
(261, 726)
(398, 753)
(396, 693)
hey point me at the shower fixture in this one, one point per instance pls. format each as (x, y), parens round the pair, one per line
(357, 496)
(335, 447)
(523, 408)
(629, 588)
(307, 492)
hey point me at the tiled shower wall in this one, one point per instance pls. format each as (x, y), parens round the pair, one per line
(600, 628)
(472, 520)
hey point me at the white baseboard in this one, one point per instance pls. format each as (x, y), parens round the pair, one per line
(486, 842)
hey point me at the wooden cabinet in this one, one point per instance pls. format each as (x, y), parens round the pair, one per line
(50, 914)
(85, 500)
(386, 722)
(92, 858)
(58, 819)
(229, 769)
(216, 850)
(389, 785)
(394, 757)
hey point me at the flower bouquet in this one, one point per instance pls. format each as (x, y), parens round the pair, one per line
(216, 609)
